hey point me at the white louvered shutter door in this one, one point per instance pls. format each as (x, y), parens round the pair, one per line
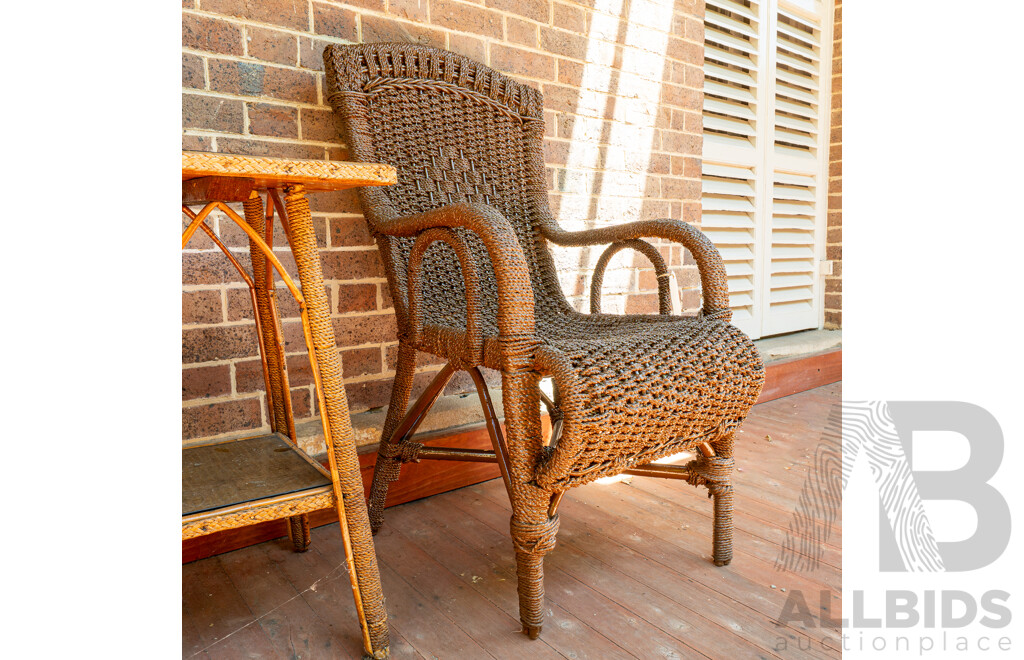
(733, 84)
(765, 154)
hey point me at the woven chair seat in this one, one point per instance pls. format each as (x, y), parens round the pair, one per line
(632, 397)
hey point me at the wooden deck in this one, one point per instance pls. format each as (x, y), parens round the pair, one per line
(631, 576)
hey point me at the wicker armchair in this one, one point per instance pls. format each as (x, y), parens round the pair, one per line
(464, 241)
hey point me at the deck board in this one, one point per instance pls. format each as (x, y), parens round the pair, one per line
(631, 576)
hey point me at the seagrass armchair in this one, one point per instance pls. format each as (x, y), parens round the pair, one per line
(463, 236)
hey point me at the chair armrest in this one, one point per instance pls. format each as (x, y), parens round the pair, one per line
(713, 279)
(511, 272)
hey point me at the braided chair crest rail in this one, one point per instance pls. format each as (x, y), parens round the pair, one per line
(463, 236)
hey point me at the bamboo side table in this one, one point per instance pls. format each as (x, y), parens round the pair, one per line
(242, 482)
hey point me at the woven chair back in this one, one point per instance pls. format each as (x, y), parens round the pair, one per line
(456, 131)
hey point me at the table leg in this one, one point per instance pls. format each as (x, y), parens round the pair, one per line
(338, 434)
(279, 395)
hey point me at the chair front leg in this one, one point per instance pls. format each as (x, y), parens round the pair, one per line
(533, 532)
(388, 463)
(533, 536)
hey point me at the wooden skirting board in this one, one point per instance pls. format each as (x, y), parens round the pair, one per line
(428, 478)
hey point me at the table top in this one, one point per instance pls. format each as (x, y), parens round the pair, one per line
(266, 172)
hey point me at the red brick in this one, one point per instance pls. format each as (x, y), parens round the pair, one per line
(251, 79)
(694, 29)
(465, 18)
(382, 29)
(690, 299)
(340, 201)
(320, 125)
(210, 268)
(690, 213)
(216, 418)
(377, 393)
(205, 382)
(273, 120)
(264, 148)
(196, 143)
(201, 307)
(369, 329)
(385, 297)
(288, 13)
(834, 252)
(467, 46)
(521, 62)
(311, 53)
(684, 51)
(680, 143)
(358, 362)
(349, 232)
(659, 164)
(249, 376)
(570, 73)
(352, 265)
(560, 98)
(414, 10)
(537, 10)
(521, 32)
(357, 298)
(367, 395)
(676, 188)
(422, 359)
(642, 303)
(192, 73)
(566, 44)
(240, 304)
(569, 17)
(334, 21)
(211, 113)
(211, 35)
(218, 343)
(556, 152)
(272, 45)
(302, 403)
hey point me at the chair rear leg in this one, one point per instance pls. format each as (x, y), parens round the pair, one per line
(721, 490)
(388, 463)
(722, 540)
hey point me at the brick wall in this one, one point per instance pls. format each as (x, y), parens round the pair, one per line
(834, 240)
(622, 81)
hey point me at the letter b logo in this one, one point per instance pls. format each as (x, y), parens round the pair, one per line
(883, 431)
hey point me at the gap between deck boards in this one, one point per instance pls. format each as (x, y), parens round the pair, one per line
(419, 480)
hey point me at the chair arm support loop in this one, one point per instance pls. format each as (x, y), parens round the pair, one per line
(649, 251)
(511, 272)
(473, 349)
(714, 282)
